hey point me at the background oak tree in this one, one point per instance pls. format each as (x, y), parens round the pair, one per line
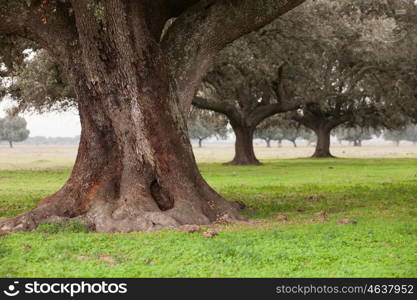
(247, 85)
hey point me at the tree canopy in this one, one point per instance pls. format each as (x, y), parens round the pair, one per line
(38, 84)
(13, 129)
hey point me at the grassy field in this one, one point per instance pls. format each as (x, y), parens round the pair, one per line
(380, 194)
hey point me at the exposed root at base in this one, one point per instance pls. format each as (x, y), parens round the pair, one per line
(104, 218)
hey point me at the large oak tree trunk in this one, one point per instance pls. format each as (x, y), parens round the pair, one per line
(135, 169)
(132, 171)
(244, 152)
(323, 142)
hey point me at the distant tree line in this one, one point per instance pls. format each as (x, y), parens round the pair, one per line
(204, 124)
(13, 129)
(280, 129)
(408, 134)
(42, 140)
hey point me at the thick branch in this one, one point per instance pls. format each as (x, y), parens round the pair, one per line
(266, 111)
(217, 106)
(315, 122)
(207, 27)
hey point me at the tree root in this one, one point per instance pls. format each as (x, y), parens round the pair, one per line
(104, 217)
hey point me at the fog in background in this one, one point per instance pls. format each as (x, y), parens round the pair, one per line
(67, 124)
(51, 124)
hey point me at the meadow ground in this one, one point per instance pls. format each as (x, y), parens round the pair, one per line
(379, 193)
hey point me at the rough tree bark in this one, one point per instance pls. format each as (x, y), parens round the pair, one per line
(322, 123)
(135, 169)
(133, 172)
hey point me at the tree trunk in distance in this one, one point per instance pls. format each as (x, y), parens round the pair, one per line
(11, 144)
(200, 143)
(244, 152)
(268, 143)
(323, 143)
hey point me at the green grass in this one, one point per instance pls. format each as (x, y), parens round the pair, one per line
(381, 194)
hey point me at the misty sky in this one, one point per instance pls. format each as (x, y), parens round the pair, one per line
(65, 124)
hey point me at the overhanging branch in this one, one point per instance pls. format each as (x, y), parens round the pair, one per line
(217, 106)
(266, 111)
(47, 24)
(193, 40)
